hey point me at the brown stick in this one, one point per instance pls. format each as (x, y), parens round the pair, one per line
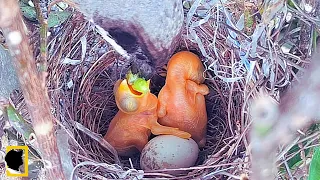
(32, 84)
(43, 19)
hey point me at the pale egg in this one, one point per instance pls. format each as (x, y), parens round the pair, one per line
(169, 152)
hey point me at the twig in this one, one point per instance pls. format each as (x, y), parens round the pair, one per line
(230, 99)
(111, 168)
(287, 168)
(197, 167)
(42, 13)
(33, 86)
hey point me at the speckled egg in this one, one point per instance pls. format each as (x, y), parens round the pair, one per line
(169, 152)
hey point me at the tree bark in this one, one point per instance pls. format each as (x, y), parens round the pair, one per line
(32, 85)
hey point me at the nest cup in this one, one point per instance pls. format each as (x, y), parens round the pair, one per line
(86, 96)
(83, 99)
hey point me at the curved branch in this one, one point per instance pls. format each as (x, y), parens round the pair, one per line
(32, 85)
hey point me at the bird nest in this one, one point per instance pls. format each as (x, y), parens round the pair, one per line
(84, 100)
(83, 68)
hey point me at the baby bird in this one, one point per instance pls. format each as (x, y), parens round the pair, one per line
(181, 102)
(130, 129)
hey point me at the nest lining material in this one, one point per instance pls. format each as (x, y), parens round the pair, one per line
(83, 93)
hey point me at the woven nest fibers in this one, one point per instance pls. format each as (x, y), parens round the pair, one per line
(82, 95)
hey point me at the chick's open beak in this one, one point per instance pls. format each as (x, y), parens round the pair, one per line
(128, 97)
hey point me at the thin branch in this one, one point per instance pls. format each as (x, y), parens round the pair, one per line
(42, 14)
(32, 85)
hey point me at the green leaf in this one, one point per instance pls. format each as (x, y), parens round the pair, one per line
(28, 11)
(17, 121)
(141, 85)
(314, 39)
(57, 18)
(290, 3)
(296, 160)
(314, 170)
